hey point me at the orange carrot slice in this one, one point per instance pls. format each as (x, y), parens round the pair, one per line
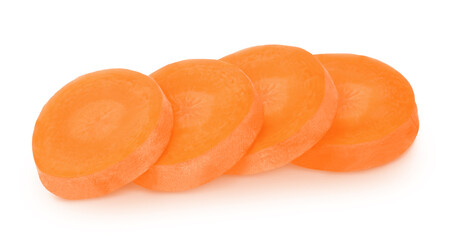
(100, 132)
(299, 104)
(217, 117)
(376, 120)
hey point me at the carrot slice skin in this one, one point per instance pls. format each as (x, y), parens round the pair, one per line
(300, 103)
(100, 132)
(377, 118)
(218, 114)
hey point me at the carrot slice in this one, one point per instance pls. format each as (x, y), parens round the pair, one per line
(100, 132)
(299, 104)
(217, 117)
(376, 121)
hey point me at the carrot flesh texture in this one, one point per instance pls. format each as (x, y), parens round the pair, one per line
(295, 90)
(376, 121)
(217, 117)
(100, 132)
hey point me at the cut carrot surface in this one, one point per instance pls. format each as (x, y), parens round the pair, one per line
(217, 117)
(100, 132)
(376, 120)
(299, 100)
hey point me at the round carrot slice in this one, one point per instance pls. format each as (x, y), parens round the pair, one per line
(376, 120)
(217, 117)
(299, 104)
(100, 132)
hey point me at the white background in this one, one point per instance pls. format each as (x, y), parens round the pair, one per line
(44, 45)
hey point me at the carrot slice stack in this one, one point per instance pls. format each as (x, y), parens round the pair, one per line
(299, 99)
(376, 121)
(217, 117)
(100, 132)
